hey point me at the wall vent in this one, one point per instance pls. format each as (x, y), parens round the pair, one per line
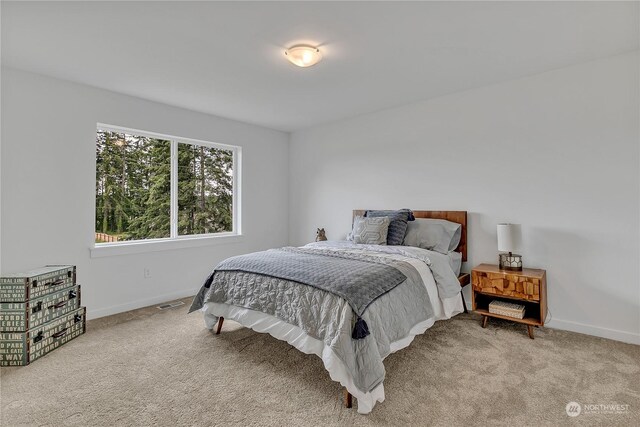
(170, 305)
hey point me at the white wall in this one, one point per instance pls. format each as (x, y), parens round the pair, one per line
(568, 139)
(556, 152)
(48, 185)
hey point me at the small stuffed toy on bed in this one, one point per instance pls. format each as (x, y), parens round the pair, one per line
(320, 235)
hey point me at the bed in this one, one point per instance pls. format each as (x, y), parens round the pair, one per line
(313, 298)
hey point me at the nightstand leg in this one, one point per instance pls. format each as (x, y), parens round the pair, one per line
(483, 323)
(530, 331)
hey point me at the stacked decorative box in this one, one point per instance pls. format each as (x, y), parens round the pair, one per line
(39, 311)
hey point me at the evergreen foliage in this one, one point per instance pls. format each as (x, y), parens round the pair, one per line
(133, 187)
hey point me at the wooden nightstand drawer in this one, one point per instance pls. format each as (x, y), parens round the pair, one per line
(508, 284)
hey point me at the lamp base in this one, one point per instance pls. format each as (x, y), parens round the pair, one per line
(509, 261)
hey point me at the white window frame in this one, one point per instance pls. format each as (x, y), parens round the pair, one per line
(175, 241)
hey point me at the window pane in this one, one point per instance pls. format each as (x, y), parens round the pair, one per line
(133, 178)
(205, 190)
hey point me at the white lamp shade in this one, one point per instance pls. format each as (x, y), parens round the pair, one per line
(508, 237)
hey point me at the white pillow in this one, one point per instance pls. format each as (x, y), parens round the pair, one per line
(370, 231)
(437, 235)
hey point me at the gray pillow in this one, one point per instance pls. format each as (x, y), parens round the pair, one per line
(371, 231)
(437, 235)
(397, 225)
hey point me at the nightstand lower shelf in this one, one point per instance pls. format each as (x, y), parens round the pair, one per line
(529, 321)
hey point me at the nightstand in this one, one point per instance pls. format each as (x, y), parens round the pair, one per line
(527, 287)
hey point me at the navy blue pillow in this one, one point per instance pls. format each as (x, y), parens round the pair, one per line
(397, 225)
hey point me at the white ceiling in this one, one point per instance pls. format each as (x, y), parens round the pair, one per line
(227, 58)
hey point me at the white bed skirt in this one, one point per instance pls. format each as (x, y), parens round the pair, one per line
(265, 323)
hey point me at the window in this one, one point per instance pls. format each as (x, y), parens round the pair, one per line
(151, 186)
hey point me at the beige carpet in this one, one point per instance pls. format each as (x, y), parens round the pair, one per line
(152, 367)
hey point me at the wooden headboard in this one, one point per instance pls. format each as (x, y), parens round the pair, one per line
(459, 217)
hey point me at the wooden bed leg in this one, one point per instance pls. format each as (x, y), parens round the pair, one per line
(348, 399)
(484, 321)
(220, 322)
(464, 304)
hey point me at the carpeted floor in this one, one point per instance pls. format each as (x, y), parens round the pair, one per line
(152, 367)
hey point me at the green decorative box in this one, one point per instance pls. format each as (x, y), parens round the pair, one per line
(22, 348)
(22, 316)
(22, 287)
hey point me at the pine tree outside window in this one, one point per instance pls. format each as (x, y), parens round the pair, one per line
(155, 187)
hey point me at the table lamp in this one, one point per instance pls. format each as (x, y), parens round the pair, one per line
(508, 236)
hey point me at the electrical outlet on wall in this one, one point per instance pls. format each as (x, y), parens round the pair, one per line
(147, 273)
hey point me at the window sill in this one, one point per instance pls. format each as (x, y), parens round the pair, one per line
(125, 248)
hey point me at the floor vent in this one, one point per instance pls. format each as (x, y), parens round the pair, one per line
(169, 305)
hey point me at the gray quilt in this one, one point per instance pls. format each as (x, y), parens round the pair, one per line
(359, 280)
(328, 317)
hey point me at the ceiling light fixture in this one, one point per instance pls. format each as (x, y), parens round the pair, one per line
(303, 55)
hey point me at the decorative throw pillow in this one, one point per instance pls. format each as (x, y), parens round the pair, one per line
(397, 225)
(370, 231)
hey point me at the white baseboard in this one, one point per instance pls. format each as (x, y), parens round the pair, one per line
(132, 305)
(612, 334)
